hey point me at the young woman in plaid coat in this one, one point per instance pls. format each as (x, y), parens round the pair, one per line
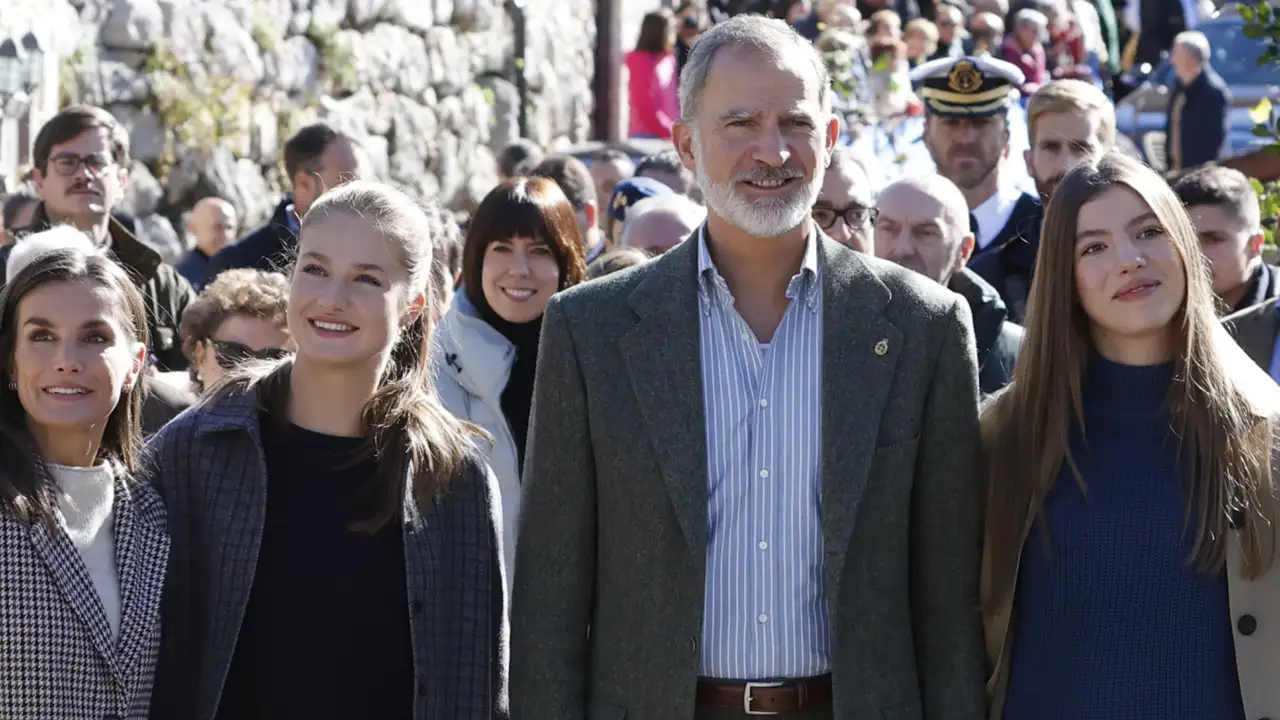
(337, 535)
(83, 546)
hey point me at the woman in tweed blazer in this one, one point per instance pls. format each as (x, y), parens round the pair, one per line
(82, 545)
(337, 537)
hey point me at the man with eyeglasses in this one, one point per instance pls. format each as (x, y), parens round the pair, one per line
(844, 209)
(81, 159)
(923, 225)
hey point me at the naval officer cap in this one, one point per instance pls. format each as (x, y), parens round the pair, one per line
(967, 87)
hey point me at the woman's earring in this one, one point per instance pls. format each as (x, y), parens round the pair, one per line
(13, 385)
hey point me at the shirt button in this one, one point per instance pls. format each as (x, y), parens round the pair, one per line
(763, 545)
(763, 618)
(764, 403)
(1247, 624)
(764, 474)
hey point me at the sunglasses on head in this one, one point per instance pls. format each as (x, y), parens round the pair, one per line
(229, 354)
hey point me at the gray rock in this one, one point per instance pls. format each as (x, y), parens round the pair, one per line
(417, 15)
(143, 194)
(482, 177)
(146, 133)
(386, 46)
(364, 12)
(186, 29)
(447, 75)
(132, 24)
(328, 13)
(295, 66)
(504, 100)
(264, 134)
(233, 52)
(414, 128)
(121, 81)
(156, 230)
(357, 70)
(443, 10)
(376, 150)
(447, 167)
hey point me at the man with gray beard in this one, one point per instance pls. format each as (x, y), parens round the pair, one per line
(752, 462)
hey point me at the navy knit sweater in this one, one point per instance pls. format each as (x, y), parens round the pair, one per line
(1110, 621)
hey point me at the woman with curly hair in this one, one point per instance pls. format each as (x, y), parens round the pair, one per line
(240, 316)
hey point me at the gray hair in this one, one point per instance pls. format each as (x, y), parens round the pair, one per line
(680, 206)
(1030, 16)
(771, 38)
(1195, 43)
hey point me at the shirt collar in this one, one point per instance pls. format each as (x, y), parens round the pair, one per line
(806, 281)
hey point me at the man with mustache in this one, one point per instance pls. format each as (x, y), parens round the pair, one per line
(81, 159)
(966, 104)
(923, 225)
(752, 461)
(1068, 121)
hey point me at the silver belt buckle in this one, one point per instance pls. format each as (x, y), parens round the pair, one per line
(747, 697)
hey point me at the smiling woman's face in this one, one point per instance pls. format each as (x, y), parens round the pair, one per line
(1129, 275)
(519, 276)
(72, 359)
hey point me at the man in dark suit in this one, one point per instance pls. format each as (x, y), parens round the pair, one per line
(1197, 126)
(317, 158)
(751, 484)
(923, 225)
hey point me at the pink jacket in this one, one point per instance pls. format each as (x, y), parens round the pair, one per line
(655, 105)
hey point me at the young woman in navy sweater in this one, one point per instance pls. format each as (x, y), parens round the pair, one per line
(1131, 510)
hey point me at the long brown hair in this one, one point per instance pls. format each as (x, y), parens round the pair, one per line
(408, 429)
(25, 488)
(1224, 443)
(655, 32)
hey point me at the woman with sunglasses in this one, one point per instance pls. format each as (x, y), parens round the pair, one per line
(239, 316)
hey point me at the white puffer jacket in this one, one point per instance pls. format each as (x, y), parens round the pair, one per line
(470, 363)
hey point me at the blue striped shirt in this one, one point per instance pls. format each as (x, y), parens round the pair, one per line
(765, 611)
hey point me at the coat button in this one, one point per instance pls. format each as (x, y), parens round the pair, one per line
(1247, 624)
(693, 646)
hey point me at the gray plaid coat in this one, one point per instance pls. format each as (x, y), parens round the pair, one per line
(57, 655)
(209, 467)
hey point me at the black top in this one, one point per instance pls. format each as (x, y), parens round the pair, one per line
(517, 396)
(326, 633)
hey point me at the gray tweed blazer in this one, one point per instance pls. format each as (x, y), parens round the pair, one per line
(607, 613)
(209, 466)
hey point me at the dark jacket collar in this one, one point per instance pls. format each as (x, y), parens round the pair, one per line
(1264, 286)
(131, 252)
(989, 310)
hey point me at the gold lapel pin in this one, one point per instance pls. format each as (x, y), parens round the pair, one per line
(882, 347)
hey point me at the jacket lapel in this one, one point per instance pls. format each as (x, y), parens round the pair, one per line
(72, 577)
(1256, 333)
(860, 350)
(662, 356)
(142, 552)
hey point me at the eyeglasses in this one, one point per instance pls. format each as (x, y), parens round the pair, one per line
(230, 354)
(854, 216)
(67, 164)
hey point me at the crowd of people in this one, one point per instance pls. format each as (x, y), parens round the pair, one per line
(739, 428)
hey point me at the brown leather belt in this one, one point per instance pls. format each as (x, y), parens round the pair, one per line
(766, 698)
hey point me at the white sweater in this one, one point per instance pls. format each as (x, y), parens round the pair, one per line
(86, 510)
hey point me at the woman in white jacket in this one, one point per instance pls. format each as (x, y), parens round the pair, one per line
(522, 247)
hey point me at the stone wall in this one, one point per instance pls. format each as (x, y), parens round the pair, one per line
(211, 89)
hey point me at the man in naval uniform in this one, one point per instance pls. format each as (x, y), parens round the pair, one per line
(966, 104)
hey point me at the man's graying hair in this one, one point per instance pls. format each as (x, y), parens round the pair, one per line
(771, 38)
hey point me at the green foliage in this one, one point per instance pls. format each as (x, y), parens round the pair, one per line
(337, 66)
(198, 113)
(1261, 22)
(1269, 200)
